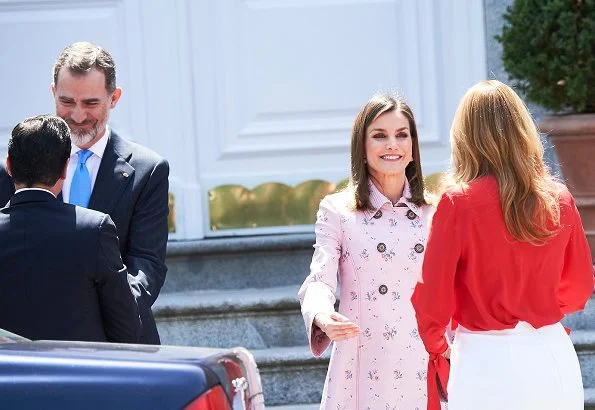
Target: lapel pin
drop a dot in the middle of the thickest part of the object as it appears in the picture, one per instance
(125, 174)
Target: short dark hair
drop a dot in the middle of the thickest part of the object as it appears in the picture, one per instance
(38, 149)
(80, 58)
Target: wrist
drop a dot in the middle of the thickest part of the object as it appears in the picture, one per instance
(317, 320)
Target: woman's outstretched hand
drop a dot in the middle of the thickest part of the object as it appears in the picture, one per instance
(336, 326)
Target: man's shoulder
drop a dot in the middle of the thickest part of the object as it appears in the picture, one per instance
(137, 152)
(85, 217)
(70, 217)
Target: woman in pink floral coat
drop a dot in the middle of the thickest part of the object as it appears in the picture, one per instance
(373, 234)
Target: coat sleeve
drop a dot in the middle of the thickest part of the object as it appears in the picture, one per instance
(147, 239)
(317, 293)
(118, 307)
(434, 297)
(576, 281)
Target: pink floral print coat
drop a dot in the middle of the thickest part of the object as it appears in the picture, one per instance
(378, 256)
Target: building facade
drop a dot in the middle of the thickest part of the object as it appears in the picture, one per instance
(252, 101)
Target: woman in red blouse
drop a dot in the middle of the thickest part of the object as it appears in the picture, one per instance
(506, 259)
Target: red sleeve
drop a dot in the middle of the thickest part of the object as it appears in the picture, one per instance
(433, 298)
(576, 282)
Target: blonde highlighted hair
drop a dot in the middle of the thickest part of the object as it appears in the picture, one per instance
(493, 133)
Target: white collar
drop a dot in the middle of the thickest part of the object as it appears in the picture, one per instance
(378, 200)
(34, 189)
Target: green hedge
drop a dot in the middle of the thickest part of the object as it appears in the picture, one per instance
(549, 52)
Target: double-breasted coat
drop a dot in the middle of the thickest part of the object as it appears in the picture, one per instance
(373, 258)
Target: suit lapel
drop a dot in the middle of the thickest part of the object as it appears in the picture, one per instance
(115, 173)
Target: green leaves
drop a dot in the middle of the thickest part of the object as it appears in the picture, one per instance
(549, 51)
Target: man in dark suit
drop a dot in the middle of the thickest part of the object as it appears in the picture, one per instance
(61, 274)
(110, 174)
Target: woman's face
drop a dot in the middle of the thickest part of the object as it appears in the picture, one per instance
(389, 147)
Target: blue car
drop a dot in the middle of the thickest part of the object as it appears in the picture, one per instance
(82, 375)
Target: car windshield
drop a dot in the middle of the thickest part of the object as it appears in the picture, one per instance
(8, 337)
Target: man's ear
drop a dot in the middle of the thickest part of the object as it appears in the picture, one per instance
(63, 174)
(115, 97)
(53, 87)
(8, 168)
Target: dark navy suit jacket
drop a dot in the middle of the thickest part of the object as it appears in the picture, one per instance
(132, 187)
(61, 275)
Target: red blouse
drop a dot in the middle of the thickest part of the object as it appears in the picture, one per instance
(476, 273)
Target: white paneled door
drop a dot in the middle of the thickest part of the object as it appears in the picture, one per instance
(247, 92)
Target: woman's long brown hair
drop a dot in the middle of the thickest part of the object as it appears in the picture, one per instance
(493, 133)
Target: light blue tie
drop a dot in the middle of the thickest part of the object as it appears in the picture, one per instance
(80, 187)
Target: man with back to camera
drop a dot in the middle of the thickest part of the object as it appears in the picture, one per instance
(110, 174)
(61, 274)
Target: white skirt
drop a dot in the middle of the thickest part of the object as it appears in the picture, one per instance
(516, 369)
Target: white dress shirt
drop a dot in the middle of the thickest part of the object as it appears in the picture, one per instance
(34, 189)
(92, 163)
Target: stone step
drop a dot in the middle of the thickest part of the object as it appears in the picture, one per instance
(235, 263)
(584, 343)
(253, 318)
(590, 398)
(259, 318)
(290, 375)
(583, 320)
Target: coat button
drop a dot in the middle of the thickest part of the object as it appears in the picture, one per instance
(419, 248)
(381, 247)
(411, 214)
(383, 289)
(378, 214)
